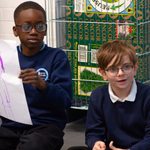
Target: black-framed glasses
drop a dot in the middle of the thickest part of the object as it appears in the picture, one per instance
(113, 71)
(39, 27)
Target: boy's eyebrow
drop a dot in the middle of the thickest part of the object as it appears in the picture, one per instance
(128, 63)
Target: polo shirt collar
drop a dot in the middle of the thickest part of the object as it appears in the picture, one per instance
(130, 97)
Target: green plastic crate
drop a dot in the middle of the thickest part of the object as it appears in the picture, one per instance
(89, 24)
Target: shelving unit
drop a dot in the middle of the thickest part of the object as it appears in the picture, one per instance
(87, 24)
(80, 27)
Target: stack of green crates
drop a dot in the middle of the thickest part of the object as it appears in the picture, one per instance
(89, 24)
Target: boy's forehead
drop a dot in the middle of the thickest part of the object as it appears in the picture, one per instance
(29, 10)
(29, 14)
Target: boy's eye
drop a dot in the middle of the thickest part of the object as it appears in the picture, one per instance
(39, 27)
(126, 67)
(26, 27)
(112, 69)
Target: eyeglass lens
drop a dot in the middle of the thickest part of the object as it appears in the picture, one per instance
(40, 27)
(125, 68)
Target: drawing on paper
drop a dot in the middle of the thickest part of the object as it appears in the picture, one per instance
(4, 94)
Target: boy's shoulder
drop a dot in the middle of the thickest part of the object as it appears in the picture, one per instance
(99, 95)
(143, 92)
(142, 86)
(101, 90)
(53, 49)
(57, 51)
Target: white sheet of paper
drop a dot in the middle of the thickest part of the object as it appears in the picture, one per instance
(13, 104)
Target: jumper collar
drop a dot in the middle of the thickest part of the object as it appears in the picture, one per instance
(42, 47)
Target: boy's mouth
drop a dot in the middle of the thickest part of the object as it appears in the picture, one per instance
(33, 40)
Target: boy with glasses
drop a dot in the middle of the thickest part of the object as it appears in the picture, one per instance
(118, 117)
(46, 77)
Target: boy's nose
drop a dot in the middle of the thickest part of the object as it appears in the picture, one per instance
(33, 30)
(120, 71)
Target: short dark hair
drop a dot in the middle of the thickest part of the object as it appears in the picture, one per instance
(28, 5)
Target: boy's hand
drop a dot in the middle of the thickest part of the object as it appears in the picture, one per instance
(99, 145)
(112, 147)
(30, 76)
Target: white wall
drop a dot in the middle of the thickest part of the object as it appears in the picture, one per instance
(56, 23)
(55, 10)
(6, 17)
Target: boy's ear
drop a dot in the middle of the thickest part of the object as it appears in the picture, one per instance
(135, 68)
(103, 74)
(15, 31)
(45, 33)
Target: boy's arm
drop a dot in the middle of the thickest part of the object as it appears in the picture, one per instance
(95, 129)
(145, 142)
(57, 91)
(59, 88)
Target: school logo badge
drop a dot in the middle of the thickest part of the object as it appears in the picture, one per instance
(43, 73)
(110, 6)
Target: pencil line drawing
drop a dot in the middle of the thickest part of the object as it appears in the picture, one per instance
(4, 93)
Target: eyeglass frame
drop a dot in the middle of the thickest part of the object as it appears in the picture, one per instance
(126, 68)
(31, 26)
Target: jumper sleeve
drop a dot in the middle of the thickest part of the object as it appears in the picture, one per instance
(95, 130)
(59, 86)
(144, 144)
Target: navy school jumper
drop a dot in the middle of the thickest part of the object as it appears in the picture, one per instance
(125, 123)
(48, 106)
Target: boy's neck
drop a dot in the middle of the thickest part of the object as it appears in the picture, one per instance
(123, 95)
(31, 51)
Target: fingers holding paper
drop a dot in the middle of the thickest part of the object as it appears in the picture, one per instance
(30, 76)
